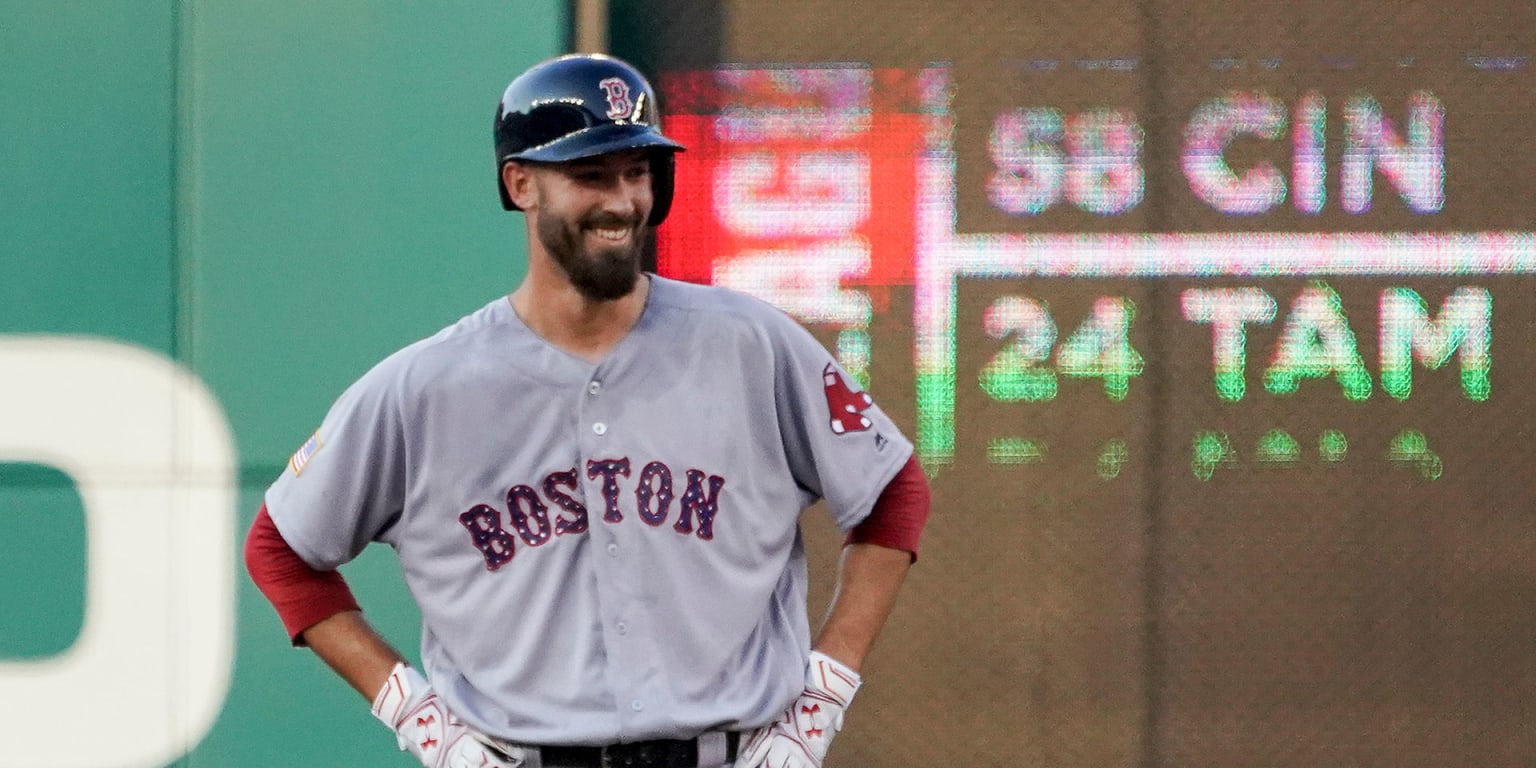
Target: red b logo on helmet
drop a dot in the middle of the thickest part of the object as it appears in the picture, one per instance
(619, 103)
(847, 406)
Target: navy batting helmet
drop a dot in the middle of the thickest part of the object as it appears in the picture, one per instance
(583, 105)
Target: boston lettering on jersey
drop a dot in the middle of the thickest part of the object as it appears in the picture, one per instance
(529, 511)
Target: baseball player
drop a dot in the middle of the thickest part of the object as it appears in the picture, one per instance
(593, 488)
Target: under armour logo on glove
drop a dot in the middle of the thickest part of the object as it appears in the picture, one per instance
(427, 732)
(800, 737)
(424, 727)
(809, 714)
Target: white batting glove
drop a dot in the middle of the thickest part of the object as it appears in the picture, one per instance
(424, 727)
(801, 736)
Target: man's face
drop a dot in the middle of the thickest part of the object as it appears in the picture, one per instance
(591, 220)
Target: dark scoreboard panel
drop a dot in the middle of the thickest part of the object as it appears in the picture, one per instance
(1212, 323)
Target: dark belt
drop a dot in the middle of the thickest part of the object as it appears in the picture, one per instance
(659, 753)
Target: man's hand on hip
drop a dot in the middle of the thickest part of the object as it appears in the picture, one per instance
(800, 737)
(424, 727)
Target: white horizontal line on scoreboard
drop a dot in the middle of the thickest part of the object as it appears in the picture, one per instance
(1247, 254)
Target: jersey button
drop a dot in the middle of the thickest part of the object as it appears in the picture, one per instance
(595, 387)
(637, 705)
(622, 628)
(600, 429)
(613, 549)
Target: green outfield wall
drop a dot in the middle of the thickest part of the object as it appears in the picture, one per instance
(214, 215)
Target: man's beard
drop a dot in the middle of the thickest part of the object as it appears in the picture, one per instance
(600, 274)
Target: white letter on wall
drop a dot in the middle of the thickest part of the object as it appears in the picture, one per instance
(151, 455)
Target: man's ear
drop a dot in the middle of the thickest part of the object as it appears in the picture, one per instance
(518, 181)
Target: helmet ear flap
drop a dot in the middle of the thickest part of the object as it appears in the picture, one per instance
(663, 178)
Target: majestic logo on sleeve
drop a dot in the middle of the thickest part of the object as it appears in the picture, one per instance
(847, 406)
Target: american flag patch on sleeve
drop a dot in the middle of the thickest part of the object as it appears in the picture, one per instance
(301, 456)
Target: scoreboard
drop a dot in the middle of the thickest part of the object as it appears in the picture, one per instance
(1212, 326)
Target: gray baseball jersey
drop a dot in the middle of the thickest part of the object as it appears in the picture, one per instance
(607, 552)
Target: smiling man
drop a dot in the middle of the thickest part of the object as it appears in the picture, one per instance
(593, 487)
(590, 213)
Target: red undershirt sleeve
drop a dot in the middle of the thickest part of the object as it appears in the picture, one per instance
(302, 595)
(900, 513)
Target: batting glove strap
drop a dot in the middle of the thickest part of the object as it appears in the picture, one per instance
(401, 692)
(407, 705)
(831, 679)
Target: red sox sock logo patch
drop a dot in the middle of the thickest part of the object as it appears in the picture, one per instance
(846, 405)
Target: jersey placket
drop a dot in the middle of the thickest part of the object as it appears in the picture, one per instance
(627, 637)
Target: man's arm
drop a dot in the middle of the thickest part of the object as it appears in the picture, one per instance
(351, 647)
(869, 576)
(875, 560)
(318, 609)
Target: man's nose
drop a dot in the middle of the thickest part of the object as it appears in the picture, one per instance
(628, 197)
